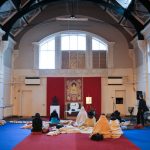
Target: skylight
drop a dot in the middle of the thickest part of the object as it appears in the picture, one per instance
(124, 3)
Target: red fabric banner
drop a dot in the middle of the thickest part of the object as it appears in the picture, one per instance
(55, 87)
(92, 88)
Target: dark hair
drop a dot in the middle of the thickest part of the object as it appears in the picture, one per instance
(90, 114)
(97, 137)
(117, 113)
(113, 117)
(37, 115)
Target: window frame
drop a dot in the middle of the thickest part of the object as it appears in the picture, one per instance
(46, 42)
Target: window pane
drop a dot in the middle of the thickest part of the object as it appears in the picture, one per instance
(43, 46)
(47, 54)
(73, 42)
(51, 45)
(81, 42)
(95, 45)
(81, 60)
(98, 45)
(65, 60)
(124, 3)
(96, 58)
(73, 60)
(102, 59)
(47, 60)
(103, 47)
(64, 42)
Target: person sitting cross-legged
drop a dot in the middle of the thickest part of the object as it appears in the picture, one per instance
(115, 127)
(102, 127)
(81, 117)
(37, 123)
(91, 120)
(54, 118)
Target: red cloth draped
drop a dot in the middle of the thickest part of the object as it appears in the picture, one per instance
(55, 87)
(91, 87)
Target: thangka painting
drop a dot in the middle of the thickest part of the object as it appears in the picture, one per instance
(73, 89)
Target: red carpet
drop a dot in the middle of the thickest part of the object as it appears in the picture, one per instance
(73, 142)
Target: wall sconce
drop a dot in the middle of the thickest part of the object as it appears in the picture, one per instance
(88, 100)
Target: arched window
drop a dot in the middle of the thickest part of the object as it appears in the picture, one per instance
(73, 46)
(99, 51)
(72, 51)
(47, 54)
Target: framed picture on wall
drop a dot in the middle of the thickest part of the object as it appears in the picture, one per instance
(72, 109)
(73, 89)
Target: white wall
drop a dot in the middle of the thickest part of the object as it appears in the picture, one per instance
(38, 101)
(109, 93)
(39, 92)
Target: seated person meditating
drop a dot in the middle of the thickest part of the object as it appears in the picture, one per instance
(102, 127)
(91, 120)
(116, 114)
(37, 123)
(115, 127)
(54, 118)
(81, 117)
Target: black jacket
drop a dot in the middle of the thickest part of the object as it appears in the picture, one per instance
(142, 106)
(37, 124)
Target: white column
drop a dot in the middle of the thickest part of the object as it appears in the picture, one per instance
(88, 57)
(3, 47)
(146, 43)
(110, 59)
(132, 56)
(148, 84)
(36, 55)
(143, 46)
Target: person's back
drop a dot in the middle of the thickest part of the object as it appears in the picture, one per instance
(37, 123)
(117, 115)
(54, 118)
(91, 120)
(142, 105)
(102, 127)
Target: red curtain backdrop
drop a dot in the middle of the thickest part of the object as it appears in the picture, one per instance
(92, 88)
(55, 87)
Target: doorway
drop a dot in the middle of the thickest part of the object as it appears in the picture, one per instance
(120, 100)
(26, 103)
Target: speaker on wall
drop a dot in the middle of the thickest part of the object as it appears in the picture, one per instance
(138, 93)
